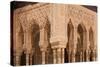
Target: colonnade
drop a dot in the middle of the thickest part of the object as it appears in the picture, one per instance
(33, 40)
(74, 55)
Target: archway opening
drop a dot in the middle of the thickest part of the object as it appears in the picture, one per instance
(81, 43)
(36, 58)
(68, 49)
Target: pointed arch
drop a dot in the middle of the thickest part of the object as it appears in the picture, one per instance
(35, 44)
(81, 42)
(70, 34)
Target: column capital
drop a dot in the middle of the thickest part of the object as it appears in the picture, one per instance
(58, 44)
(43, 49)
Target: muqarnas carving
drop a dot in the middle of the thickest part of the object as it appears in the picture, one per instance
(50, 33)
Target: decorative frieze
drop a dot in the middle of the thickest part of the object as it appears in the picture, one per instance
(74, 11)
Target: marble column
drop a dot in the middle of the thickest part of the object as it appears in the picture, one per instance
(43, 43)
(54, 56)
(87, 55)
(28, 45)
(81, 56)
(43, 57)
(58, 55)
(62, 60)
(75, 44)
(27, 59)
(93, 55)
(73, 56)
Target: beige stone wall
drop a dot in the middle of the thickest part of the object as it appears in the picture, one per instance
(31, 20)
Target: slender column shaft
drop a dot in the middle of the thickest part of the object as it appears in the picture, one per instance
(28, 45)
(73, 56)
(87, 55)
(59, 55)
(75, 43)
(43, 57)
(27, 59)
(43, 43)
(54, 56)
(93, 55)
(80, 56)
(62, 61)
(88, 45)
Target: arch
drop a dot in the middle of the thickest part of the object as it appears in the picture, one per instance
(81, 43)
(36, 53)
(70, 34)
(91, 40)
(82, 35)
(35, 44)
